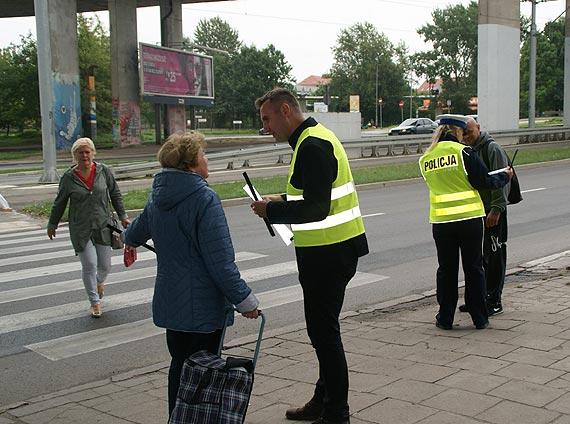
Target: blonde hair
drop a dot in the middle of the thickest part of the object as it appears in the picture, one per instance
(180, 151)
(79, 143)
(442, 131)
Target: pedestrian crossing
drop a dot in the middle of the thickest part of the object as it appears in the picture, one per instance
(41, 288)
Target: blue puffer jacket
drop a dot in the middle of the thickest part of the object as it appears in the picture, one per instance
(197, 278)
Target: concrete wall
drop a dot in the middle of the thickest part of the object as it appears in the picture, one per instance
(498, 57)
(346, 126)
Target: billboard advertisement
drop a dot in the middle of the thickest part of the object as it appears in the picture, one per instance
(175, 73)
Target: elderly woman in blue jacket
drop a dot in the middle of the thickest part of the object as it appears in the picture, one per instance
(197, 279)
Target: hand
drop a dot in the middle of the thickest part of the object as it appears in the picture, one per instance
(509, 172)
(125, 222)
(273, 198)
(492, 220)
(51, 233)
(260, 207)
(251, 314)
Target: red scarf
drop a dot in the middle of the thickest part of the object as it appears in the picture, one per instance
(87, 181)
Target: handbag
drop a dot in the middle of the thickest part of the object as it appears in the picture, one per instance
(116, 240)
(515, 195)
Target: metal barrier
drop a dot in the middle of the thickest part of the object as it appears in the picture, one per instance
(376, 146)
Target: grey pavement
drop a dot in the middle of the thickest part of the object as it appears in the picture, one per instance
(402, 368)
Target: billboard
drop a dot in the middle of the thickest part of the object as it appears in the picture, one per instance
(166, 72)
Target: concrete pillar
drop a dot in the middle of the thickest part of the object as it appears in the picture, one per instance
(567, 68)
(124, 72)
(171, 36)
(58, 73)
(498, 64)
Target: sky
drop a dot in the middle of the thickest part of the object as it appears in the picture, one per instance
(304, 30)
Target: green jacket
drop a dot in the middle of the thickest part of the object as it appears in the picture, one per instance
(89, 211)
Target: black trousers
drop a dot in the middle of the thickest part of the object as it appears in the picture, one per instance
(324, 274)
(450, 239)
(495, 259)
(181, 345)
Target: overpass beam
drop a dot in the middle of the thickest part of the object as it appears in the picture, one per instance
(171, 36)
(124, 72)
(58, 73)
(498, 64)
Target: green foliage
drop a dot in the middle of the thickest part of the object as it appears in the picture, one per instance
(19, 87)
(453, 35)
(360, 54)
(242, 76)
(95, 59)
(549, 69)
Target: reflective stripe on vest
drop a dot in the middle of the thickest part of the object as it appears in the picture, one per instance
(452, 197)
(344, 220)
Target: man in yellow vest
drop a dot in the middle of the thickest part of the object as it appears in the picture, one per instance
(454, 173)
(322, 207)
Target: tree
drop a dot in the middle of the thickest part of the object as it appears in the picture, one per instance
(242, 75)
(360, 54)
(19, 87)
(549, 69)
(95, 59)
(453, 35)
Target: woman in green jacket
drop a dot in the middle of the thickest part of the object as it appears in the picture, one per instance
(89, 187)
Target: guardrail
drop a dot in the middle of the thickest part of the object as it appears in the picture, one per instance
(376, 146)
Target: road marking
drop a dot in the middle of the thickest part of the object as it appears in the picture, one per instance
(533, 189)
(35, 247)
(63, 229)
(25, 293)
(373, 214)
(103, 338)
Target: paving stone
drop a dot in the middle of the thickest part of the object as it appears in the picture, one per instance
(268, 414)
(258, 402)
(443, 417)
(427, 372)
(289, 348)
(395, 411)
(533, 341)
(268, 384)
(527, 393)
(359, 401)
(562, 404)
(533, 356)
(368, 383)
(294, 395)
(35, 407)
(538, 328)
(564, 419)
(504, 322)
(563, 364)
(409, 390)
(435, 357)
(149, 413)
(384, 366)
(511, 412)
(6, 421)
(531, 373)
(301, 371)
(359, 345)
(479, 363)
(461, 402)
(407, 338)
(489, 349)
(122, 407)
(473, 381)
(395, 351)
(492, 334)
(275, 364)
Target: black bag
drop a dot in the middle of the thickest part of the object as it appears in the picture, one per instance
(116, 240)
(515, 195)
(214, 390)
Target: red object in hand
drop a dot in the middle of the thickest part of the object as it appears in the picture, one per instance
(129, 255)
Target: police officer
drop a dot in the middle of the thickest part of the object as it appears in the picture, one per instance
(454, 173)
(322, 206)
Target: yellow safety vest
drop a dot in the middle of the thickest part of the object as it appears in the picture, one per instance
(451, 197)
(344, 220)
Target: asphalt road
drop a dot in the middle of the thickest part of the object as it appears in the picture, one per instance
(401, 262)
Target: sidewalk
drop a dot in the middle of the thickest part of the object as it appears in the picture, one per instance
(402, 368)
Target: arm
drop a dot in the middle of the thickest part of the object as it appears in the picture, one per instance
(138, 232)
(315, 170)
(477, 172)
(217, 251)
(497, 200)
(116, 197)
(58, 208)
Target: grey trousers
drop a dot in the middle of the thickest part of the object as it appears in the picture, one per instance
(95, 266)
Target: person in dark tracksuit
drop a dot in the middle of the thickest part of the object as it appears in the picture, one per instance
(495, 202)
(322, 207)
(454, 173)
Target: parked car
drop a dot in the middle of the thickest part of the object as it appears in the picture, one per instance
(414, 126)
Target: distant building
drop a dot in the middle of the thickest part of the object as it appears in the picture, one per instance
(310, 84)
(431, 88)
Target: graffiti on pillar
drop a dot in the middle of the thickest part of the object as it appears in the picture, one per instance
(66, 113)
(126, 123)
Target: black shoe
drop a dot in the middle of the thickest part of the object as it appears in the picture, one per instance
(463, 308)
(325, 421)
(443, 326)
(495, 309)
(311, 411)
(482, 326)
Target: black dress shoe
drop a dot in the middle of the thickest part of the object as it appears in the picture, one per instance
(463, 308)
(443, 326)
(482, 326)
(311, 411)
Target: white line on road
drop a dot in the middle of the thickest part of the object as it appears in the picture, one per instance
(533, 189)
(90, 341)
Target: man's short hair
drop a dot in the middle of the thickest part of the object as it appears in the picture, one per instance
(277, 96)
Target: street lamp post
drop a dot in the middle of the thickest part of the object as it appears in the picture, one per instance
(377, 100)
(532, 68)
